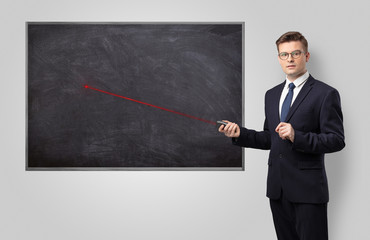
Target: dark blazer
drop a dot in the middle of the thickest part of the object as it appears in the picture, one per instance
(298, 168)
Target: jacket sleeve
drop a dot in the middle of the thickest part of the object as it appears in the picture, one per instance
(331, 135)
(254, 139)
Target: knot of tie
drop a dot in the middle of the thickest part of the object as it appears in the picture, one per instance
(291, 86)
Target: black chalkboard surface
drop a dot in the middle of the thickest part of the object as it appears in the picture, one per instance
(133, 96)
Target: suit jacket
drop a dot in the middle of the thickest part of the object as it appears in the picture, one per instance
(298, 168)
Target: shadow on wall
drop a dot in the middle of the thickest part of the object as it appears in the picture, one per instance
(336, 163)
(314, 65)
(338, 176)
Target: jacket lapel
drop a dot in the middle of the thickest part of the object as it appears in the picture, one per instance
(301, 96)
(276, 101)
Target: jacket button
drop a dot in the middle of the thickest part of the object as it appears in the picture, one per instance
(280, 155)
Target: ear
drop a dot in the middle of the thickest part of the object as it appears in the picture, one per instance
(307, 56)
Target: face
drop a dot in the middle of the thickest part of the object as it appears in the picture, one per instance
(293, 68)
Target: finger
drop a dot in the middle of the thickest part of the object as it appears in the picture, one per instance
(227, 132)
(279, 126)
(221, 128)
(237, 133)
(238, 128)
(282, 132)
(233, 129)
(284, 128)
(285, 133)
(287, 128)
(281, 135)
(228, 126)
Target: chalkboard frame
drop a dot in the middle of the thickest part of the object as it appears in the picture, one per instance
(32, 168)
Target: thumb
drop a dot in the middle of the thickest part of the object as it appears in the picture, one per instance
(278, 127)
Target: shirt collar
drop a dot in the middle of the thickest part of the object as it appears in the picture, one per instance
(299, 81)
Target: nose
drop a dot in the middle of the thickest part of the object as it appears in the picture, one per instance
(290, 58)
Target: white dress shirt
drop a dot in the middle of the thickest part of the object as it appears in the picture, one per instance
(299, 82)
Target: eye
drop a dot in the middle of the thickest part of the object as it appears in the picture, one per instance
(283, 54)
(296, 53)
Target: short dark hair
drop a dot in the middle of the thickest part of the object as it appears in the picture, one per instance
(292, 36)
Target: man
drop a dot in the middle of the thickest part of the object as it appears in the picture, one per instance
(303, 121)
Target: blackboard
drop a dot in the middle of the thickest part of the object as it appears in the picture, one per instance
(190, 68)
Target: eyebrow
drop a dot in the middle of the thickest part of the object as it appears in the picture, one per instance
(293, 51)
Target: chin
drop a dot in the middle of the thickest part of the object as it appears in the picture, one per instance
(295, 75)
(291, 74)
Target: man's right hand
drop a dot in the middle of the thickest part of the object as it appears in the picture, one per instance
(230, 130)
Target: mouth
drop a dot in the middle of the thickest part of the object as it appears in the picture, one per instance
(291, 66)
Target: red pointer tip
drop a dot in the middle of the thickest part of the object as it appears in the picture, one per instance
(86, 86)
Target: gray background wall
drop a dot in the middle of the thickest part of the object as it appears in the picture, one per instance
(189, 205)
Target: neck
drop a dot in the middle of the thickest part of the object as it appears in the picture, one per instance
(292, 78)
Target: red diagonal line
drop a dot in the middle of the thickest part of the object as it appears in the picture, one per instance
(151, 105)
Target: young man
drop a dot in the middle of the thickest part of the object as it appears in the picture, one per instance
(303, 121)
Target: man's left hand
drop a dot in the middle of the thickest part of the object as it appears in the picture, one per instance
(285, 131)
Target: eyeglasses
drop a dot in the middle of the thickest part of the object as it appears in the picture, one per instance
(295, 54)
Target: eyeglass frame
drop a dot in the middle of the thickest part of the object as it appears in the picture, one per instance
(291, 54)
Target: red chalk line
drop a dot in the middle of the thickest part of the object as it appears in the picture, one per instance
(151, 105)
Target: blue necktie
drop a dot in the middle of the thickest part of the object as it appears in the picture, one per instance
(287, 102)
